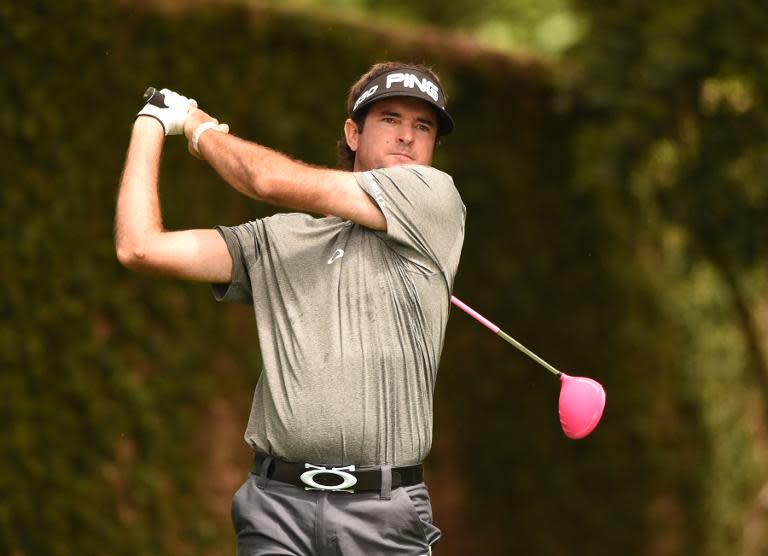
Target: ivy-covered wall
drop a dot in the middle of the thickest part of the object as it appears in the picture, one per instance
(124, 397)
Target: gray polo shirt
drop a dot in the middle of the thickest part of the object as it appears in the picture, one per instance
(350, 321)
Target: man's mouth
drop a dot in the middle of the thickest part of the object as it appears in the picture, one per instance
(404, 155)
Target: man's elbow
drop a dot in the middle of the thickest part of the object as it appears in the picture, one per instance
(129, 258)
(132, 257)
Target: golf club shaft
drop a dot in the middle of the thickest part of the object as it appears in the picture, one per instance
(499, 332)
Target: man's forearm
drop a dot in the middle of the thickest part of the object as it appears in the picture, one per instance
(267, 175)
(138, 214)
(248, 167)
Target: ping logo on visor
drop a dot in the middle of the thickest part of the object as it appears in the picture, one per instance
(410, 83)
(411, 80)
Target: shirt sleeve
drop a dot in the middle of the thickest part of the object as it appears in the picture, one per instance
(424, 212)
(242, 242)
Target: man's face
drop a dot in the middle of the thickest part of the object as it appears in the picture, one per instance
(398, 130)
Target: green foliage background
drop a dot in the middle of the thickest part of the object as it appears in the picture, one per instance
(616, 224)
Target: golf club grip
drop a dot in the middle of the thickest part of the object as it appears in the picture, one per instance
(154, 97)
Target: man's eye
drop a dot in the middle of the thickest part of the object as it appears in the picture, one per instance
(389, 119)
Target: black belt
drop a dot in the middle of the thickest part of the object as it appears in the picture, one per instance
(343, 478)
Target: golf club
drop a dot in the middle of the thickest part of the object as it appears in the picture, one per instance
(153, 96)
(582, 399)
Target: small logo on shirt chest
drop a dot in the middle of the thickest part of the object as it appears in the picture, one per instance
(339, 253)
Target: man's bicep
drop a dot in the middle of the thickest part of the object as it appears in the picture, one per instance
(333, 192)
(355, 204)
(199, 255)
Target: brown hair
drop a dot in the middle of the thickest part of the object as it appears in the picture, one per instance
(346, 155)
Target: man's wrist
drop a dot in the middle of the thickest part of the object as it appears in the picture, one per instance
(195, 118)
(148, 122)
(199, 130)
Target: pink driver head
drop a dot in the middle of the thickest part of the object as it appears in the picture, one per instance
(582, 401)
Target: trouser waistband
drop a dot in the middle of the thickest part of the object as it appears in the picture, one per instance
(348, 478)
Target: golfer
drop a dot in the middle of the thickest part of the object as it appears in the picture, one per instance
(351, 297)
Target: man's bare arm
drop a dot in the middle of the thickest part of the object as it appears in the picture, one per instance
(141, 241)
(266, 175)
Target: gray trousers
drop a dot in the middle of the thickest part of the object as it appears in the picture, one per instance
(275, 518)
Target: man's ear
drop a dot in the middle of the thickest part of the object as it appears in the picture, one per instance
(351, 133)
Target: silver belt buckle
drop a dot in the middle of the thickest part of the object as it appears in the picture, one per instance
(347, 480)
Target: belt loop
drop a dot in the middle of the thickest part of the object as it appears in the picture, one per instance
(264, 472)
(386, 482)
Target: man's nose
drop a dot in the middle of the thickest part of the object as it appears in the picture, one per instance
(405, 135)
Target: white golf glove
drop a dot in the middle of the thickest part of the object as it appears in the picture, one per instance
(174, 112)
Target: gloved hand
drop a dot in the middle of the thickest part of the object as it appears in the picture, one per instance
(170, 109)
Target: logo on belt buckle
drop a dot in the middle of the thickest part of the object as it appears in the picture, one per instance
(347, 479)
